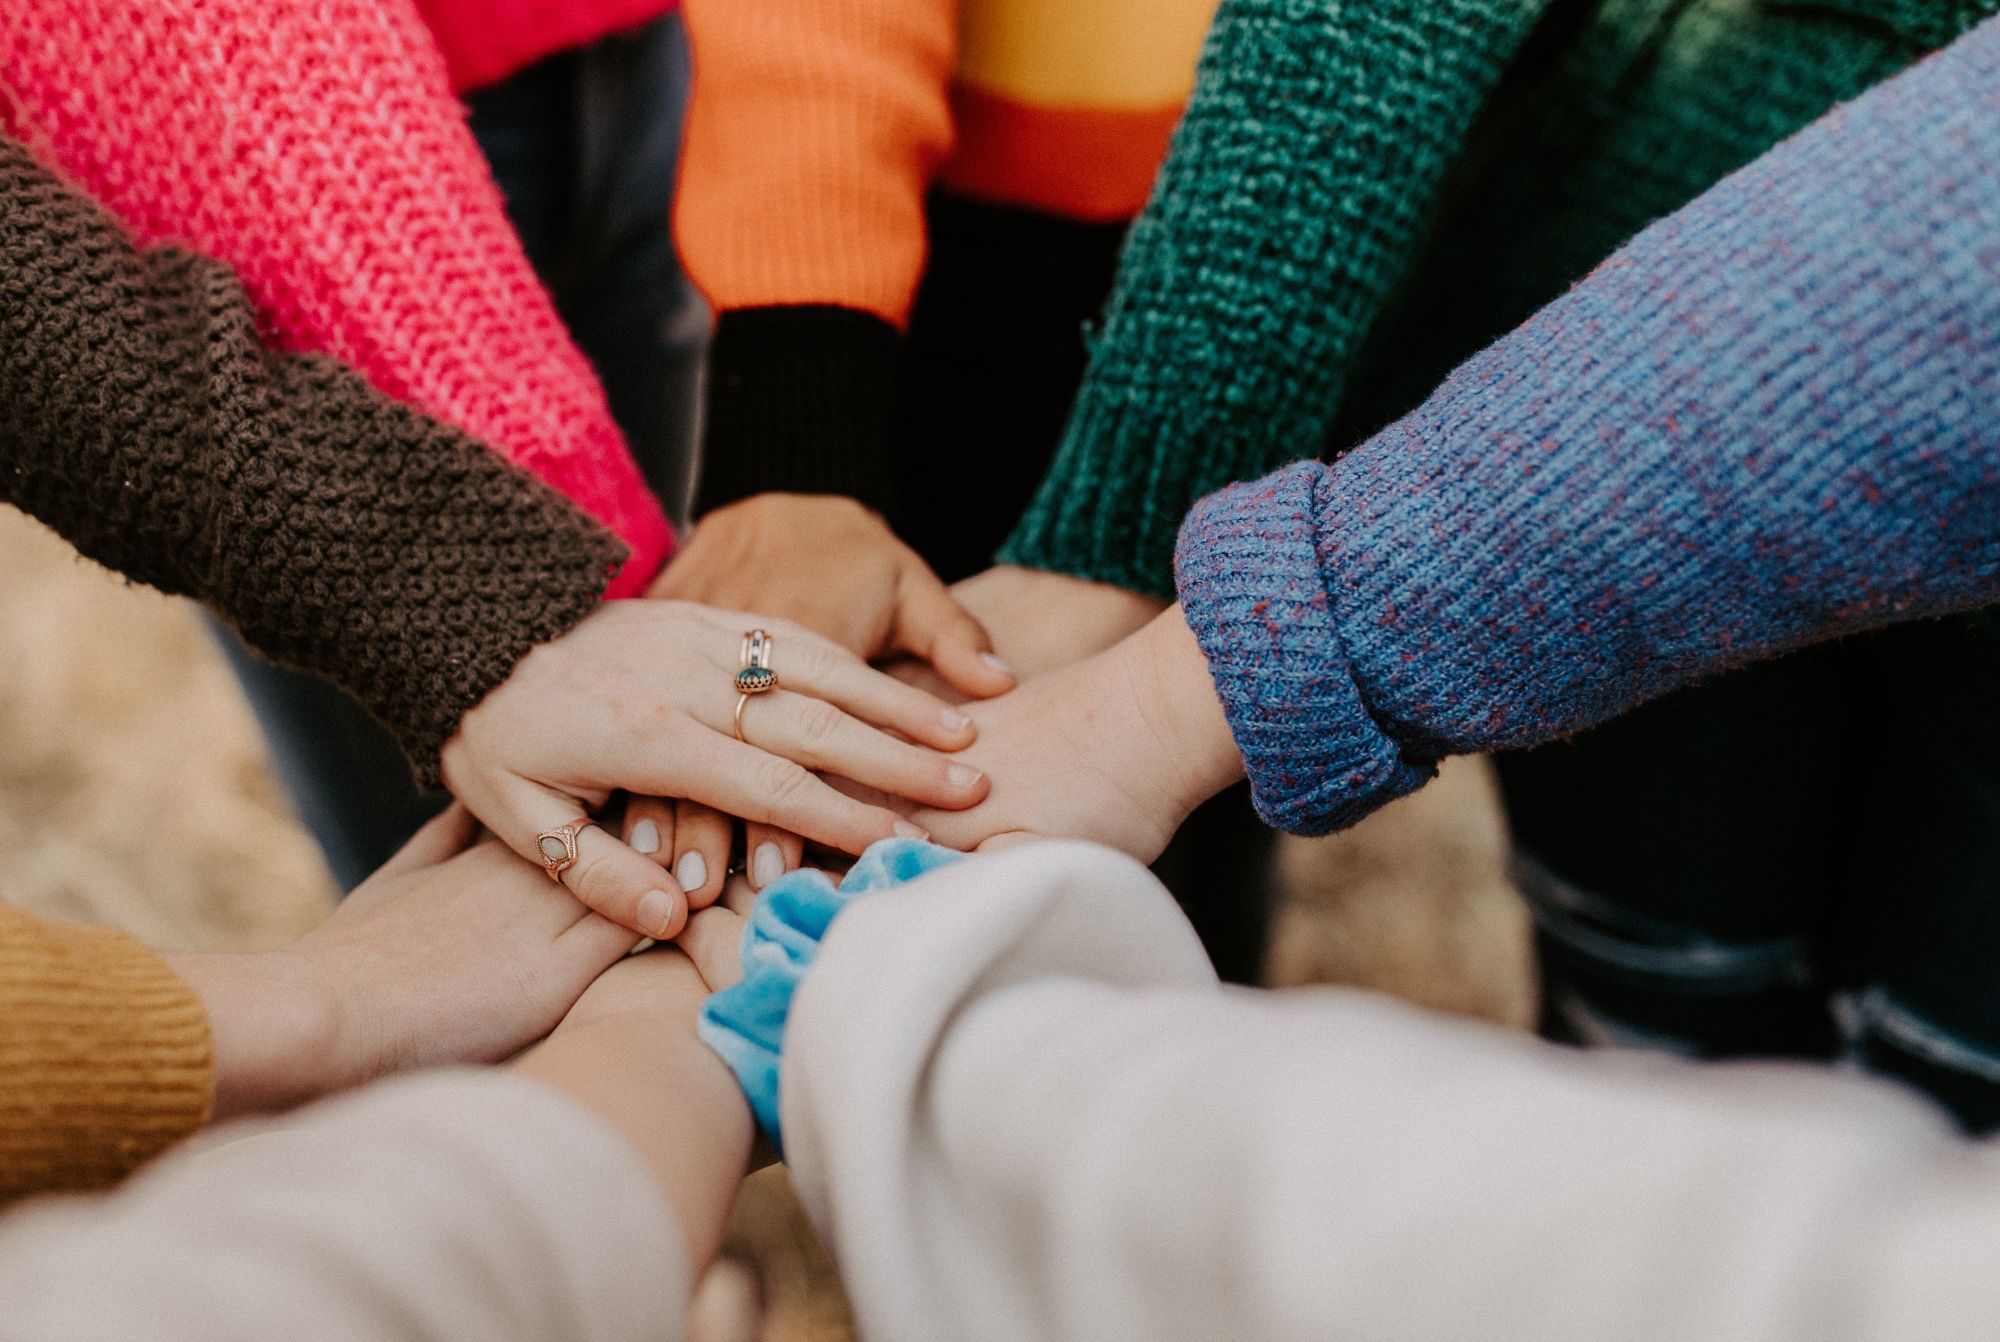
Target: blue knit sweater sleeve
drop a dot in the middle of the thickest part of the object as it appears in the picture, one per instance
(1773, 418)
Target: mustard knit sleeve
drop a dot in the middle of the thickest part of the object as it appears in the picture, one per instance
(105, 1057)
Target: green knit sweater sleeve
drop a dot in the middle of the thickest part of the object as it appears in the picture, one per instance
(1296, 189)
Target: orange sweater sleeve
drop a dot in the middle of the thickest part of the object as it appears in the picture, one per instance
(814, 129)
(105, 1056)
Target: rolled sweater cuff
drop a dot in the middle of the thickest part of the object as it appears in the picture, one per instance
(801, 400)
(1253, 591)
(105, 1056)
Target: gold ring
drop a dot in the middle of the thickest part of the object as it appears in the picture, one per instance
(558, 847)
(741, 700)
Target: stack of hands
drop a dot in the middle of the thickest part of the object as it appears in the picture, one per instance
(1015, 703)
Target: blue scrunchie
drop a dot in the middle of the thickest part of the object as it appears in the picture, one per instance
(745, 1024)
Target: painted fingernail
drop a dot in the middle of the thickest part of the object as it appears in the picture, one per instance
(996, 664)
(767, 865)
(656, 912)
(692, 872)
(645, 837)
(904, 829)
(954, 721)
(962, 775)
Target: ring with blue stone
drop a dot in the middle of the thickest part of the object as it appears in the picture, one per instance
(756, 677)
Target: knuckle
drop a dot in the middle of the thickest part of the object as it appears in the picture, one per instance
(819, 724)
(808, 659)
(598, 883)
(782, 782)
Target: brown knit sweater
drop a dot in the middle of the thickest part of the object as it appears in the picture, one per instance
(105, 1057)
(340, 532)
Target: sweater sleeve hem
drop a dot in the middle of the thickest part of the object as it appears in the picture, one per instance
(1252, 590)
(105, 1052)
(801, 400)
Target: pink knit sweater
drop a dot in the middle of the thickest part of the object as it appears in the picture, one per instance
(316, 146)
(486, 40)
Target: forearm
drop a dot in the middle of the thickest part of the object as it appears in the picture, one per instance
(272, 1030)
(1752, 429)
(1298, 184)
(671, 1100)
(339, 531)
(814, 130)
(450, 1206)
(1024, 1112)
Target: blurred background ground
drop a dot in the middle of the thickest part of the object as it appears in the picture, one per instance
(134, 792)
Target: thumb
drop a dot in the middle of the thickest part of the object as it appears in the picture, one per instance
(931, 625)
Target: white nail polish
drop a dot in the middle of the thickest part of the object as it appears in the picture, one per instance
(692, 872)
(645, 837)
(767, 866)
(962, 775)
(996, 663)
(656, 909)
(905, 829)
(954, 721)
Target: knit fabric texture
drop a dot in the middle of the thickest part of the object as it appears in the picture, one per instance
(814, 133)
(1299, 177)
(801, 400)
(105, 1056)
(337, 530)
(1438, 170)
(315, 147)
(484, 41)
(1764, 423)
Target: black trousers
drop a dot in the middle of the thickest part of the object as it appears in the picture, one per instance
(1798, 859)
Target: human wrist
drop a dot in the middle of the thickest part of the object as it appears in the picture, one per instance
(1169, 690)
(275, 1029)
(642, 1073)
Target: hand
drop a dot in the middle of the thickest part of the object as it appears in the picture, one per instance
(1118, 748)
(445, 955)
(640, 696)
(1040, 621)
(834, 567)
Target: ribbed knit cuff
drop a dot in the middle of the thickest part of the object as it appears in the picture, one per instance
(1089, 520)
(105, 1056)
(801, 400)
(1252, 591)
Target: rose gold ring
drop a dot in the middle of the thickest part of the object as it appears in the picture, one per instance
(558, 847)
(756, 675)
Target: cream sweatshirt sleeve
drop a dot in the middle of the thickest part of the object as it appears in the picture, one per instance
(454, 1207)
(1020, 1107)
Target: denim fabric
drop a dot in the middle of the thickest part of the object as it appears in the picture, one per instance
(1801, 859)
(585, 147)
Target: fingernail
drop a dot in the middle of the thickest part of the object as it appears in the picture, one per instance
(962, 775)
(996, 663)
(767, 865)
(656, 912)
(954, 721)
(645, 837)
(692, 872)
(904, 829)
